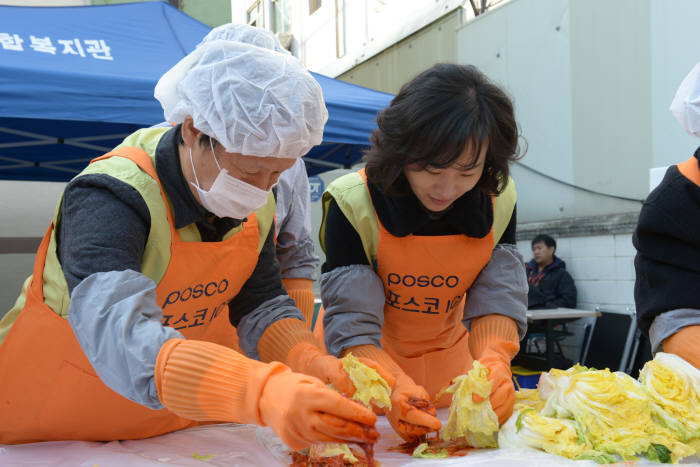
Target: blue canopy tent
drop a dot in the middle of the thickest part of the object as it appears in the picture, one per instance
(75, 80)
(352, 113)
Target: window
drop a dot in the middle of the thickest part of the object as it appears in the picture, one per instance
(255, 17)
(339, 28)
(314, 5)
(281, 15)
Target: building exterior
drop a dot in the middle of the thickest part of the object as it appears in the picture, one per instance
(210, 12)
(591, 82)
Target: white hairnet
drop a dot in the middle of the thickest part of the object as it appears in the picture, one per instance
(686, 104)
(246, 34)
(254, 101)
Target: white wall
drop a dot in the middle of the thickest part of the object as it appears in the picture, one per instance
(675, 49)
(591, 82)
(26, 209)
(238, 11)
(317, 39)
(518, 46)
(611, 105)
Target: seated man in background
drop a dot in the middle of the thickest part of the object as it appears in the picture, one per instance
(550, 285)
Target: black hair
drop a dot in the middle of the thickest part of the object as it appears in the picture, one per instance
(202, 139)
(546, 239)
(433, 118)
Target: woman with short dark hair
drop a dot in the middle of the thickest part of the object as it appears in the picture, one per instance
(432, 119)
(428, 222)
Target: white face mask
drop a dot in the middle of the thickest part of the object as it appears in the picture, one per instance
(229, 196)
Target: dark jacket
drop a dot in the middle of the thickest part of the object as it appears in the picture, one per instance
(553, 287)
(667, 239)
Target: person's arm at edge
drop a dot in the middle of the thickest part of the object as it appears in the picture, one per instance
(353, 322)
(295, 249)
(113, 310)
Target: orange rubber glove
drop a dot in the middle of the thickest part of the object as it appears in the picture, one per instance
(309, 359)
(288, 340)
(208, 382)
(412, 414)
(493, 341)
(686, 344)
(301, 291)
(303, 411)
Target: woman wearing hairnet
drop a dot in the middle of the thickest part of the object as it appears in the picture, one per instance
(156, 251)
(294, 246)
(429, 220)
(667, 239)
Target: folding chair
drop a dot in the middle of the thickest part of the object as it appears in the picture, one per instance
(611, 341)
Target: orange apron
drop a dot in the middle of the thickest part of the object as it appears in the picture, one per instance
(690, 170)
(425, 281)
(49, 390)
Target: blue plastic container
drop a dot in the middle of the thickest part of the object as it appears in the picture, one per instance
(524, 378)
